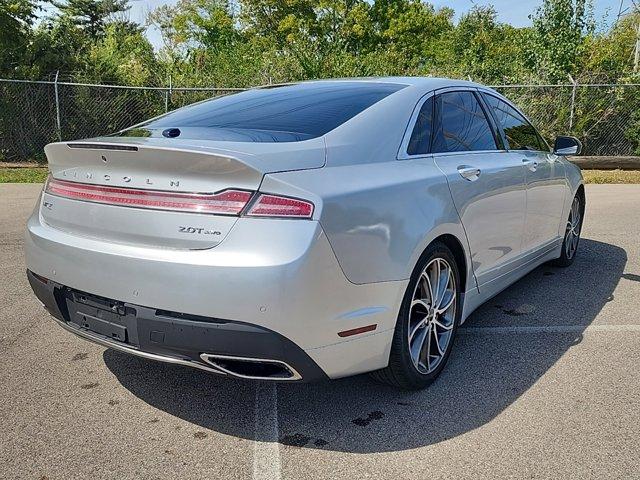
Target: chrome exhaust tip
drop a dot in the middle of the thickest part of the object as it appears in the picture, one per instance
(252, 368)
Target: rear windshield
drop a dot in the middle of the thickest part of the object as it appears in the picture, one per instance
(282, 114)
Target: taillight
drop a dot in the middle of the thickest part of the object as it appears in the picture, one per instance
(277, 206)
(227, 202)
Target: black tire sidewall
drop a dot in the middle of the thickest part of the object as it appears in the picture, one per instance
(565, 261)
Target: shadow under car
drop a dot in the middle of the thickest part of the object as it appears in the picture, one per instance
(486, 373)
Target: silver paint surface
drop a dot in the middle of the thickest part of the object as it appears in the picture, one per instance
(376, 210)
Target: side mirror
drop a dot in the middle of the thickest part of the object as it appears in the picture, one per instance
(567, 146)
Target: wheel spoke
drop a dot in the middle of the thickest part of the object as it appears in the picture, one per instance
(425, 351)
(437, 342)
(443, 281)
(441, 325)
(417, 327)
(416, 346)
(429, 289)
(450, 298)
(421, 302)
(434, 281)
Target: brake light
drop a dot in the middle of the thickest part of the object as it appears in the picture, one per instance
(227, 202)
(276, 206)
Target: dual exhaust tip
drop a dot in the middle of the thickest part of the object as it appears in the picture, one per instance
(252, 368)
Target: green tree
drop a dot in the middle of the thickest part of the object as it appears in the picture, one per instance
(16, 19)
(123, 55)
(415, 30)
(482, 48)
(611, 53)
(91, 15)
(557, 40)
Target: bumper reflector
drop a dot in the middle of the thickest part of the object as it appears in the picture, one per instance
(356, 331)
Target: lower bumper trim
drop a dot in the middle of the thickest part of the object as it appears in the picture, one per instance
(225, 347)
(105, 342)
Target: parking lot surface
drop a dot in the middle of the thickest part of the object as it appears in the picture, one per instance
(543, 382)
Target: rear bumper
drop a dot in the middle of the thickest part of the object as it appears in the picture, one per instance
(273, 279)
(165, 337)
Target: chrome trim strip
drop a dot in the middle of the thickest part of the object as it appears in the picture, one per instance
(123, 348)
(207, 357)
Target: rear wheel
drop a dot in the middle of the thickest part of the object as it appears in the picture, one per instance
(572, 233)
(427, 322)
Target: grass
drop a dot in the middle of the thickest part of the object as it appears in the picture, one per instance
(39, 174)
(611, 176)
(23, 175)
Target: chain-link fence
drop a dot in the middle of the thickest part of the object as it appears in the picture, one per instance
(33, 114)
(606, 117)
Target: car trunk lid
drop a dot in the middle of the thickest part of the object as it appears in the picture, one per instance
(164, 167)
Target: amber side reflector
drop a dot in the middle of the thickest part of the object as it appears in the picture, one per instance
(356, 331)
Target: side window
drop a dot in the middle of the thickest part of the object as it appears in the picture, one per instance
(420, 141)
(462, 124)
(520, 134)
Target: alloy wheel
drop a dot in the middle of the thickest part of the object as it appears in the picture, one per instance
(572, 235)
(432, 315)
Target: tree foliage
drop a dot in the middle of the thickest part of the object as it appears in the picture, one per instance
(90, 15)
(241, 43)
(560, 28)
(245, 42)
(16, 20)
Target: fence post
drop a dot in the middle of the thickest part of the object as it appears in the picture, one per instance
(573, 102)
(166, 97)
(636, 53)
(55, 88)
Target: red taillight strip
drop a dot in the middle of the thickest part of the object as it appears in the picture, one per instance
(277, 206)
(229, 202)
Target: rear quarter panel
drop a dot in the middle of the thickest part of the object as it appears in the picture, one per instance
(379, 213)
(378, 217)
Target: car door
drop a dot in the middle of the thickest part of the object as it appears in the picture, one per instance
(486, 182)
(544, 175)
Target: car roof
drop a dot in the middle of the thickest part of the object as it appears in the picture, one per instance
(426, 83)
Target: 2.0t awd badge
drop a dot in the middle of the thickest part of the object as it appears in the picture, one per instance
(200, 230)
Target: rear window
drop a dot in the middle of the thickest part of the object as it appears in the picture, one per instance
(282, 114)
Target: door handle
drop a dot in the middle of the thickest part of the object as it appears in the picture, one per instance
(530, 164)
(469, 173)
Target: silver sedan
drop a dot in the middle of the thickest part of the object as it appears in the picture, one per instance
(303, 232)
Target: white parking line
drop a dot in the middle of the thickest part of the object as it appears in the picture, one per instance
(266, 450)
(549, 329)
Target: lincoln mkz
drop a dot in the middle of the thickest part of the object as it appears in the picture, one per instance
(303, 232)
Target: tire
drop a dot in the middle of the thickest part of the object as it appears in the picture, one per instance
(572, 233)
(413, 368)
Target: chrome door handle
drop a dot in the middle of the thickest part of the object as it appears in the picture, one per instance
(530, 164)
(469, 173)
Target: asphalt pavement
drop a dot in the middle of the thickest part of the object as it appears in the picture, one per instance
(543, 382)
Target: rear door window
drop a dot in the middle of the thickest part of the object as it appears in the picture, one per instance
(519, 132)
(461, 124)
